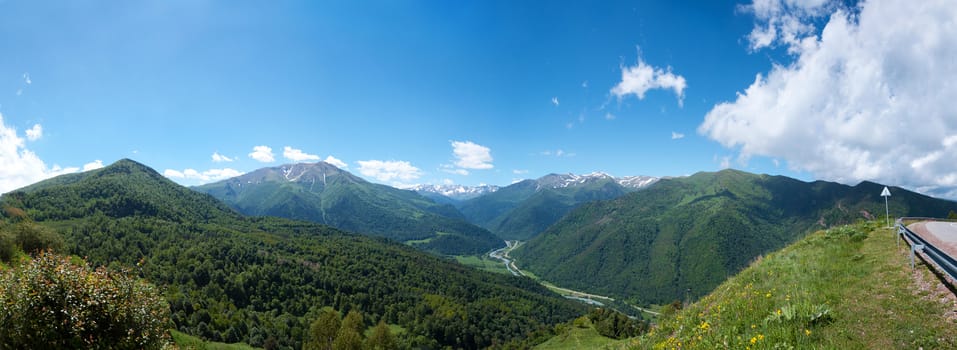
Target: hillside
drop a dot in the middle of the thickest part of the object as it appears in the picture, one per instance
(652, 246)
(847, 288)
(320, 192)
(232, 278)
(525, 209)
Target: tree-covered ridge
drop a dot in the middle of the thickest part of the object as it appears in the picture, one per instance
(524, 209)
(322, 193)
(237, 279)
(652, 246)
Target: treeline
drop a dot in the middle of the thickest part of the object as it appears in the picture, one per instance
(256, 280)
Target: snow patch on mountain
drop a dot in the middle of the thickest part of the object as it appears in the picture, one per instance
(457, 192)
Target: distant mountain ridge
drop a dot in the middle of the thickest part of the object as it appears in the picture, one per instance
(526, 208)
(232, 278)
(453, 192)
(320, 192)
(692, 233)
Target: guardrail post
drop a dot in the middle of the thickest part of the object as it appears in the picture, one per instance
(913, 251)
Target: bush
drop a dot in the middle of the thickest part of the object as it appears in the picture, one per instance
(50, 302)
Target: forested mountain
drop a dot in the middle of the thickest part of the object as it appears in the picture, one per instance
(320, 192)
(256, 280)
(653, 245)
(524, 209)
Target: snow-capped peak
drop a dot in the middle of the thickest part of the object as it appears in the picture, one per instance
(458, 192)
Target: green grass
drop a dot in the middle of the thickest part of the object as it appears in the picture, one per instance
(850, 288)
(580, 338)
(482, 262)
(186, 341)
(413, 242)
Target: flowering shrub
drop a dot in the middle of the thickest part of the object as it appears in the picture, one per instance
(52, 302)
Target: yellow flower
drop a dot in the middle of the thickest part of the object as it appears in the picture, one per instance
(754, 340)
(807, 332)
(760, 336)
(767, 295)
(753, 326)
(779, 311)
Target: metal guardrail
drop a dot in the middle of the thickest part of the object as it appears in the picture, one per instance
(946, 263)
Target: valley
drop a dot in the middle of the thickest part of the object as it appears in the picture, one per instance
(233, 278)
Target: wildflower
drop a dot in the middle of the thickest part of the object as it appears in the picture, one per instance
(754, 340)
(807, 332)
(767, 295)
(760, 336)
(704, 325)
(753, 326)
(779, 311)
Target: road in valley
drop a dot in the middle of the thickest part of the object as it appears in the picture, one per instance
(593, 299)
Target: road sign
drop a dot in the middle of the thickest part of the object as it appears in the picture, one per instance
(887, 214)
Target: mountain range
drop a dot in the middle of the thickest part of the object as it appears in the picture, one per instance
(261, 280)
(691, 233)
(526, 208)
(322, 193)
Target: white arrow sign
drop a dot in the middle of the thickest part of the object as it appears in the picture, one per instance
(886, 193)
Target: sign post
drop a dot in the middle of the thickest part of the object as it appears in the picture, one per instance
(887, 214)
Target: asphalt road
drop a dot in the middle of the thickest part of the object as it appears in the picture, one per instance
(942, 235)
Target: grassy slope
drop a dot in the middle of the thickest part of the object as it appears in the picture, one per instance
(580, 338)
(872, 298)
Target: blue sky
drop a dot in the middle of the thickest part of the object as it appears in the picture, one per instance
(407, 92)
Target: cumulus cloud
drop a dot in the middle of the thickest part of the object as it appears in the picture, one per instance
(19, 166)
(96, 164)
(786, 22)
(336, 162)
(297, 155)
(676, 135)
(638, 79)
(262, 154)
(389, 170)
(470, 155)
(34, 133)
(871, 98)
(203, 177)
(219, 158)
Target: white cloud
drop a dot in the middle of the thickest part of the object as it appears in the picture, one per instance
(203, 177)
(453, 170)
(96, 164)
(26, 78)
(19, 166)
(609, 116)
(786, 22)
(520, 171)
(34, 133)
(336, 162)
(448, 182)
(555, 101)
(675, 135)
(871, 99)
(638, 79)
(219, 158)
(389, 170)
(262, 154)
(470, 155)
(297, 155)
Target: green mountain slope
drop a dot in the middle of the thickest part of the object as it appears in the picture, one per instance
(232, 278)
(320, 192)
(524, 209)
(847, 288)
(652, 246)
